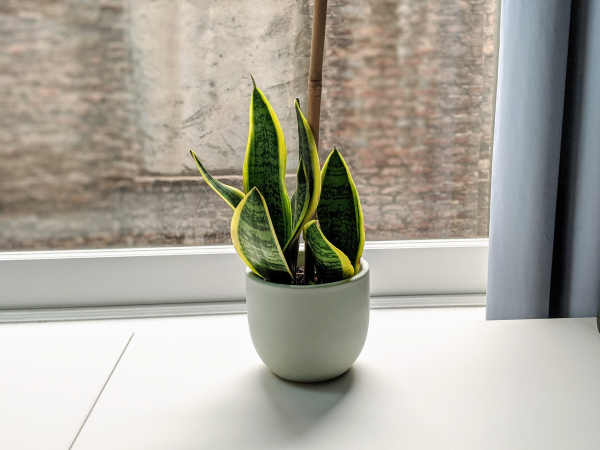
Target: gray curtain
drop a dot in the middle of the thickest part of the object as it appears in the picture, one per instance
(545, 195)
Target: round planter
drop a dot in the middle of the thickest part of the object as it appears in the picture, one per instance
(309, 333)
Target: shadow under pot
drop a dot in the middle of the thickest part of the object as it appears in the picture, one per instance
(309, 333)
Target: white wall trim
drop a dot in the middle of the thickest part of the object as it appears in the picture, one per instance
(92, 278)
(211, 308)
(426, 301)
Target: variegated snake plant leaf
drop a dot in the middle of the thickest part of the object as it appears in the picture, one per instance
(339, 211)
(299, 202)
(330, 262)
(254, 239)
(264, 165)
(230, 194)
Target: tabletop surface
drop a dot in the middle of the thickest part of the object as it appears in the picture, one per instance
(196, 383)
(48, 378)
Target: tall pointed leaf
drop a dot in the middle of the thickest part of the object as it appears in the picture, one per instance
(302, 213)
(307, 150)
(339, 211)
(264, 165)
(330, 262)
(301, 196)
(291, 256)
(230, 194)
(255, 241)
(300, 202)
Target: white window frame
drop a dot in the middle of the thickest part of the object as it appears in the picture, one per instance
(47, 285)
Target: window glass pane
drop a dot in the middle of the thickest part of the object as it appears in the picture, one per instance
(101, 101)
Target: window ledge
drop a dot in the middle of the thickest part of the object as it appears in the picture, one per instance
(125, 277)
(212, 308)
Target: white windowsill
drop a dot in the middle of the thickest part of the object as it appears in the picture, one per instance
(212, 308)
(171, 276)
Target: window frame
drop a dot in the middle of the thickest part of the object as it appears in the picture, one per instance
(214, 274)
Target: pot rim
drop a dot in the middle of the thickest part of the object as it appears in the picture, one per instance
(364, 270)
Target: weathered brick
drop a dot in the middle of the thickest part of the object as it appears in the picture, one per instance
(407, 98)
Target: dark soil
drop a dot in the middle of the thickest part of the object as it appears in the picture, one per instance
(300, 276)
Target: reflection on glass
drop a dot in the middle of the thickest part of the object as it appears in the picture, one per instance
(102, 101)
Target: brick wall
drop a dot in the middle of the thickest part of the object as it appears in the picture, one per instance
(68, 136)
(411, 106)
(407, 100)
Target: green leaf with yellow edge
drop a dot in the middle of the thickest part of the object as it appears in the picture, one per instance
(265, 161)
(254, 239)
(330, 262)
(300, 201)
(291, 255)
(230, 194)
(307, 151)
(339, 211)
(309, 178)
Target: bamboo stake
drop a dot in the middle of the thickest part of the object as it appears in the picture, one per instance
(315, 85)
(315, 73)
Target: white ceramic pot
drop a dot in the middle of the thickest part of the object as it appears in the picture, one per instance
(309, 333)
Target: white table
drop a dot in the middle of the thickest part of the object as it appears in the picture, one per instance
(49, 376)
(196, 383)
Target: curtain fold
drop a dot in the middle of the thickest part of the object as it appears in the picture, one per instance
(545, 199)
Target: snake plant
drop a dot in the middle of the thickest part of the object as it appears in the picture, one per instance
(267, 222)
